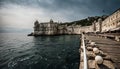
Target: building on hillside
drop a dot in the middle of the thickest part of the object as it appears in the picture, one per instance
(112, 22)
(97, 26)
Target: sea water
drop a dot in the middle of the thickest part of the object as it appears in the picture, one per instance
(19, 51)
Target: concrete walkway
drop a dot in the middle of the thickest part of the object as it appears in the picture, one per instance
(108, 46)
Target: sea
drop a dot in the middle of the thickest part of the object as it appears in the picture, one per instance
(19, 51)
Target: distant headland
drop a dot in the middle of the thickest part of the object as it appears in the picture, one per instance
(95, 24)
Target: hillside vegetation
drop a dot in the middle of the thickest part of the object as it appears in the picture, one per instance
(84, 22)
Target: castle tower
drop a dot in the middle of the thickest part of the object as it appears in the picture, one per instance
(51, 21)
(36, 25)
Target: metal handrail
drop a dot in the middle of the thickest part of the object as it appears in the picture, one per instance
(84, 52)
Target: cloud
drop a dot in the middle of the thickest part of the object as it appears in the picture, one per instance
(22, 17)
(21, 14)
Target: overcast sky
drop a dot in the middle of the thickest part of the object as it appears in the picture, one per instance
(19, 15)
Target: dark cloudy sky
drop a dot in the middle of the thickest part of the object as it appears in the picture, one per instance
(19, 15)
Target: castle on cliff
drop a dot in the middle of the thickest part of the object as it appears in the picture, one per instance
(46, 28)
(109, 24)
(54, 28)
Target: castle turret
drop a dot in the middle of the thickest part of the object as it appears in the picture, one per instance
(36, 25)
(51, 21)
(36, 22)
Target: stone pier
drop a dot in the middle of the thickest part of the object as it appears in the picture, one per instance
(98, 46)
